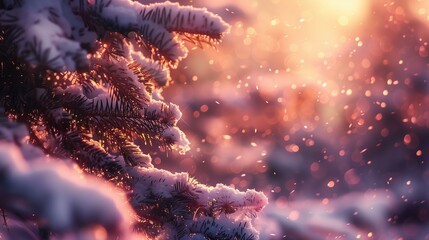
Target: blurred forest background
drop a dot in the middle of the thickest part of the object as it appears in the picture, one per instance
(321, 104)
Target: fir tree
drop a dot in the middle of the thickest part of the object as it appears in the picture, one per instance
(85, 78)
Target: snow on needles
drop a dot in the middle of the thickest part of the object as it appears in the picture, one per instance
(59, 199)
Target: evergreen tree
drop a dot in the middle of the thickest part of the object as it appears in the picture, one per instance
(85, 78)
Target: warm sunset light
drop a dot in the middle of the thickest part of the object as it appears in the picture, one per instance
(335, 94)
(246, 119)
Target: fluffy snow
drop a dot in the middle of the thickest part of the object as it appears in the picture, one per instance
(62, 199)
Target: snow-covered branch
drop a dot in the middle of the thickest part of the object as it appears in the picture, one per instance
(57, 34)
(59, 198)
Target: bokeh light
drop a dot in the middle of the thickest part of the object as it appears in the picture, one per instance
(321, 104)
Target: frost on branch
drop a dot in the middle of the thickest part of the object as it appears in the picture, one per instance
(86, 78)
